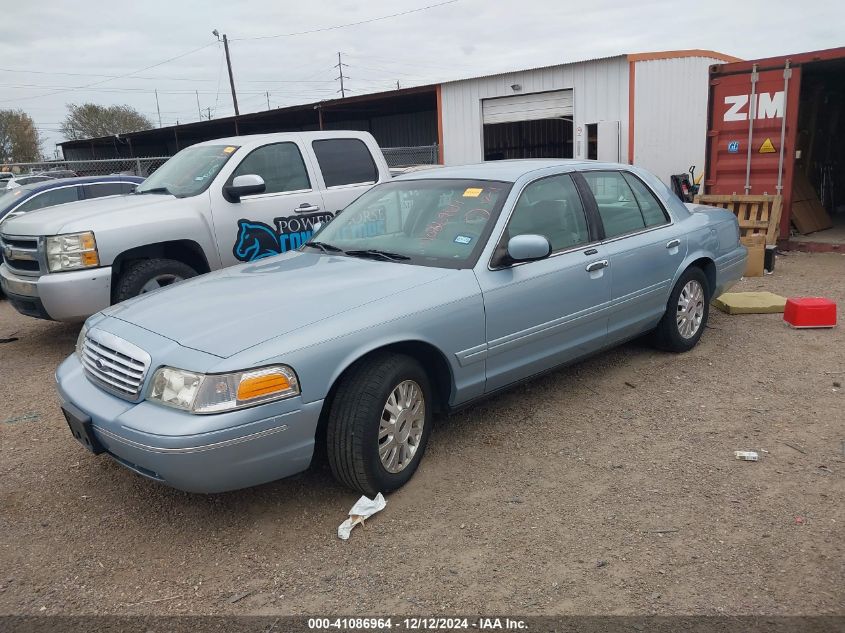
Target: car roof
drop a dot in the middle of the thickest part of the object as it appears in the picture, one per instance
(251, 140)
(54, 183)
(508, 170)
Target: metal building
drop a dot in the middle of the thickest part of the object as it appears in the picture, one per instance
(648, 108)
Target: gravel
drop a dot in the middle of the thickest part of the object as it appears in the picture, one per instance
(607, 488)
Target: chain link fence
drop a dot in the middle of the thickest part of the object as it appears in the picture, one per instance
(68, 168)
(395, 157)
(408, 156)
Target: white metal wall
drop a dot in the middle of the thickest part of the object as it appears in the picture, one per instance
(670, 114)
(600, 93)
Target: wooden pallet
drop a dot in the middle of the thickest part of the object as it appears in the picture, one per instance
(757, 215)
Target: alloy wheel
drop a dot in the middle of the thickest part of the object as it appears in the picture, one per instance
(401, 426)
(690, 311)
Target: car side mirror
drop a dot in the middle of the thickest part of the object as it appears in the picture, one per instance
(528, 248)
(245, 185)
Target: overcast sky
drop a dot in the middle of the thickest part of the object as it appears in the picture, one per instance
(53, 46)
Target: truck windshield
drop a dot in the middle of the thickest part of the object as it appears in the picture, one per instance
(431, 222)
(189, 172)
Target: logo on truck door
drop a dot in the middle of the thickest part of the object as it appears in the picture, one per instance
(257, 240)
(769, 105)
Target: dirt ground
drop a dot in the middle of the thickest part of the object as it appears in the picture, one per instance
(606, 488)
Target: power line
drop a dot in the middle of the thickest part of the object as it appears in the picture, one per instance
(157, 78)
(343, 26)
(172, 92)
(392, 59)
(97, 83)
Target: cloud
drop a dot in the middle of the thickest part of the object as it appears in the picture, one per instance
(464, 39)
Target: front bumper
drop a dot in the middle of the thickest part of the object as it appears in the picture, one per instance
(246, 448)
(68, 296)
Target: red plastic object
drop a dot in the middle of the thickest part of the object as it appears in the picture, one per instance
(810, 312)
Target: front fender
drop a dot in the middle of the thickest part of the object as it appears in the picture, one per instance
(179, 219)
(447, 317)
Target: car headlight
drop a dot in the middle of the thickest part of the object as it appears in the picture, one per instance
(80, 341)
(216, 393)
(72, 251)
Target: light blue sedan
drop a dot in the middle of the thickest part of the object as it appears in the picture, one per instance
(425, 294)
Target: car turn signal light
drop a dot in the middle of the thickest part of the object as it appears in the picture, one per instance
(264, 384)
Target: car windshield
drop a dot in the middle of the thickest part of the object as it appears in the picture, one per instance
(189, 172)
(10, 197)
(428, 222)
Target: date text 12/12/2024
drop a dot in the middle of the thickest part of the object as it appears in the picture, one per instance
(416, 623)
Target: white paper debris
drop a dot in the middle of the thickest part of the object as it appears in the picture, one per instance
(748, 456)
(363, 509)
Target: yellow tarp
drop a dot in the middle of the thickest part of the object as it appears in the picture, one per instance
(750, 303)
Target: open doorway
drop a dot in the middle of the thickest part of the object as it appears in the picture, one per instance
(540, 138)
(818, 188)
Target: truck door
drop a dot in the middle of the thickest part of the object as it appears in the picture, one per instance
(347, 169)
(275, 221)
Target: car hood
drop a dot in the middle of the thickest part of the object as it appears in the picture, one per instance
(51, 221)
(233, 309)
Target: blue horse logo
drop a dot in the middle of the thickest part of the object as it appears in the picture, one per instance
(256, 240)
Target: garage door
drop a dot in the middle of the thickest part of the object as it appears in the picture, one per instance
(530, 107)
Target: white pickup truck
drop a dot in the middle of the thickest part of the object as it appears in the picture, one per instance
(212, 205)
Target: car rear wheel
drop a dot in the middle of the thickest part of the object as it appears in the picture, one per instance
(686, 313)
(379, 423)
(149, 275)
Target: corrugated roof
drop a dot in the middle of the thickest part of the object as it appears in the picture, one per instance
(528, 70)
(628, 56)
(404, 91)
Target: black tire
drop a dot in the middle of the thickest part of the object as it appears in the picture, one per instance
(667, 335)
(132, 281)
(353, 427)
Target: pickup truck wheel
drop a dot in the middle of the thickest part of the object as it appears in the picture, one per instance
(150, 274)
(686, 313)
(379, 423)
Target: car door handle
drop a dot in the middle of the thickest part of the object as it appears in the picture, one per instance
(594, 266)
(673, 243)
(307, 208)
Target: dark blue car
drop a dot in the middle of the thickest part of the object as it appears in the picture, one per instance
(61, 190)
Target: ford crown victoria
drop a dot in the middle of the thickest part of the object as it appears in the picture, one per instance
(425, 294)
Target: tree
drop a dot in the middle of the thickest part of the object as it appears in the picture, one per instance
(19, 141)
(90, 120)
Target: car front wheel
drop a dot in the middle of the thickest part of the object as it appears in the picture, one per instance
(686, 313)
(149, 275)
(379, 423)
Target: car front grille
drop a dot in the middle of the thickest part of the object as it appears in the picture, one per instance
(20, 254)
(114, 364)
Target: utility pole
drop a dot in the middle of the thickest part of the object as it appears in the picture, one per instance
(341, 76)
(158, 109)
(231, 76)
(216, 34)
(199, 110)
(209, 113)
(268, 99)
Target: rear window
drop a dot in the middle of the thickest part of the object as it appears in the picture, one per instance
(50, 198)
(345, 161)
(102, 189)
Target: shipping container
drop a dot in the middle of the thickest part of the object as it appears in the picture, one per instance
(777, 126)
